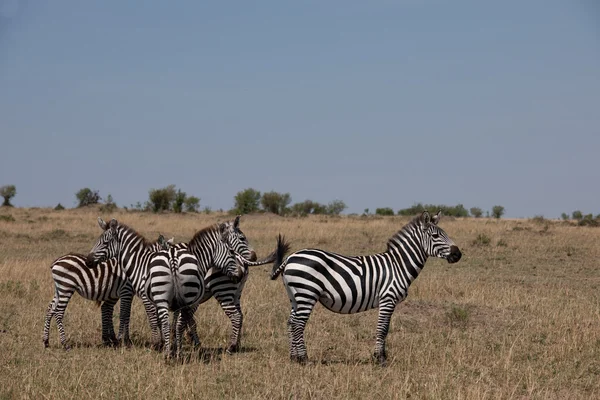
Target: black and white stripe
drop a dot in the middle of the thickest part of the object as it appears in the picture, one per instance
(105, 282)
(211, 246)
(225, 290)
(175, 283)
(349, 285)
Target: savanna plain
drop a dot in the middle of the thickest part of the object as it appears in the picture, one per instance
(517, 317)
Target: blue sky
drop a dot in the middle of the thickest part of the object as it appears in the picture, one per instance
(379, 104)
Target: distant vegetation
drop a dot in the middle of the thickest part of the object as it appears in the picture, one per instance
(8, 192)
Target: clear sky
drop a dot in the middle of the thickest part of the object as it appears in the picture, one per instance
(377, 103)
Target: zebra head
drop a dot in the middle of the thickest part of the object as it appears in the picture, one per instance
(436, 242)
(225, 256)
(162, 243)
(236, 240)
(107, 245)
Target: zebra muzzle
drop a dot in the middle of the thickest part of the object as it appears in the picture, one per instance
(454, 255)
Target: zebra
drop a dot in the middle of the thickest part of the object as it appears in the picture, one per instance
(104, 283)
(224, 290)
(348, 285)
(276, 256)
(134, 254)
(175, 282)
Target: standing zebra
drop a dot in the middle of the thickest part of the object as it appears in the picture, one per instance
(226, 291)
(105, 282)
(348, 285)
(175, 282)
(134, 253)
(276, 256)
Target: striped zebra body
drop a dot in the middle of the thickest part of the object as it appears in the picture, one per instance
(349, 285)
(175, 283)
(228, 293)
(105, 282)
(211, 246)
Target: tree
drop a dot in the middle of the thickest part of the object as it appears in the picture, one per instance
(86, 197)
(336, 207)
(161, 199)
(476, 212)
(564, 216)
(192, 204)
(109, 204)
(8, 192)
(246, 201)
(275, 202)
(577, 215)
(178, 201)
(384, 211)
(497, 211)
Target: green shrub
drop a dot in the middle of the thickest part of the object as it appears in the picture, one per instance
(59, 207)
(452, 211)
(161, 199)
(109, 205)
(87, 197)
(276, 203)
(7, 218)
(192, 204)
(335, 207)
(384, 211)
(476, 212)
(178, 201)
(8, 192)
(577, 215)
(246, 201)
(497, 211)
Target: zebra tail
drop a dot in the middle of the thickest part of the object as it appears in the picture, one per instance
(279, 265)
(98, 303)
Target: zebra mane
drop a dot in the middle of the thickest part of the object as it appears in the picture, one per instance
(199, 235)
(129, 230)
(406, 228)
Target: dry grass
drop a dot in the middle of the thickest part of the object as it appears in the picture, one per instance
(517, 317)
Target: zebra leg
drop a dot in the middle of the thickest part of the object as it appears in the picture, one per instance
(108, 330)
(59, 312)
(192, 331)
(234, 312)
(153, 319)
(386, 309)
(125, 317)
(183, 321)
(49, 315)
(163, 317)
(296, 325)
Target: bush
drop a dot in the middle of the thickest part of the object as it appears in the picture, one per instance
(384, 211)
(452, 211)
(577, 215)
(246, 201)
(179, 200)
(482, 240)
(87, 197)
(335, 207)
(161, 199)
(564, 216)
(192, 204)
(476, 212)
(59, 207)
(8, 192)
(274, 202)
(308, 207)
(497, 211)
(109, 205)
(588, 220)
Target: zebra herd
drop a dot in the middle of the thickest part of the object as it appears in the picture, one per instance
(179, 277)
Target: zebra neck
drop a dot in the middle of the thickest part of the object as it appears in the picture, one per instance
(133, 257)
(406, 251)
(203, 247)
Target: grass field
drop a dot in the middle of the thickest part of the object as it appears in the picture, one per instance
(517, 317)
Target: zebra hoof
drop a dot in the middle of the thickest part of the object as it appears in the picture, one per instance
(233, 348)
(302, 360)
(67, 347)
(380, 358)
(46, 344)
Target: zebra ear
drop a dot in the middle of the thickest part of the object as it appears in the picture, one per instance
(236, 222)
(113, 224)
(172, 240)
(425, 218)
(102, 224)
(436, 218)
(223, 231)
